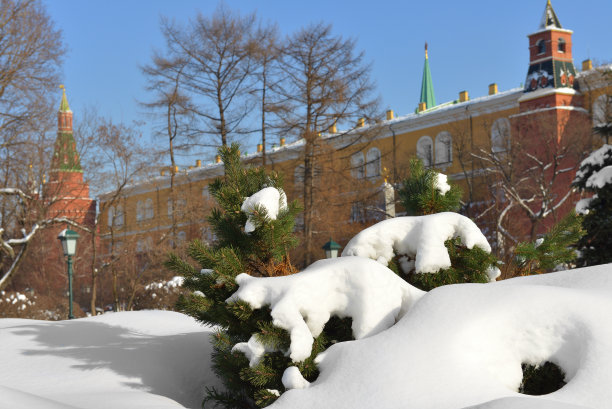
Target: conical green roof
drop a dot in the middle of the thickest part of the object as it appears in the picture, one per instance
(549, 19)
(64, 107)
(427, 91)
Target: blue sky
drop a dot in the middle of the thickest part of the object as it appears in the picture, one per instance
(471, 43)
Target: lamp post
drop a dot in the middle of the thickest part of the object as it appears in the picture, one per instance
(68, 238)
(331, 248)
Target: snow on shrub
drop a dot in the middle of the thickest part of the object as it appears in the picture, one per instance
(419, 237)
(371, 294)
(271, 199)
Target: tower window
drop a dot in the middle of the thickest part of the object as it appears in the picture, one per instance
(541, 44)
(561, 45)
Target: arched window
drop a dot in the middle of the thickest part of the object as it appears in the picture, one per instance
(373, 163)
(424, 150)
(148, 207)
(444, 148)
(140, 246)
(602, 110)
(140, 211)
(357, 165)
(119, 216)
(541, 44)
(170, 207)
(561, 45)
(111, 215)
(181, 236)
(500, 135)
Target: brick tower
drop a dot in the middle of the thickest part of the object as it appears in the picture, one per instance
(66, 194)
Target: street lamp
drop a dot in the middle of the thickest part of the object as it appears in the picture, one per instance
(331, 248)
(68, 238)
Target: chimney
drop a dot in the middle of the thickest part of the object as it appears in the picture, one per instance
(492, 89)
(360, 122)
(259, 147)
(587, 65)
(282, 141)
(463, 96)
(175, 169)
(162, 172)
(422, 106)
(389, 114)
(218, 159)
(198, 163)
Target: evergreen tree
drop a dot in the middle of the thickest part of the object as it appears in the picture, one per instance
(554, 248)
(422, 194)
(595, 176)
(262, 252)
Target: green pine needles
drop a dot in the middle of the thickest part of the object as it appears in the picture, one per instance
(420, 195)
(261, 253)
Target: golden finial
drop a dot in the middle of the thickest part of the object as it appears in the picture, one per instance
(426, 50)
(385, 173)
(62, 87)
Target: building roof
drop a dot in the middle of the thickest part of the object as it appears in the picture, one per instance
(549, 18)
(427, 91)
(64, 107)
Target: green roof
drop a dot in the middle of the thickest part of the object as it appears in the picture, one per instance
(64, 107)
(427, 91)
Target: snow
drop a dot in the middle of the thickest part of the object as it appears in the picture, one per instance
(131, 360)
(458, 346)
(419, 237)
(462, 346)
(441, 183)
(600, 178)
(582, 207)
(271, 199)
(293, 379)
(302, 303)
(595, 160)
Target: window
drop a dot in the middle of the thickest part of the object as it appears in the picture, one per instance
(602, 110)
(119, 216)
(541, 44)
(148, 209)
(500, 135)
(425, 150)
(205, 193)
(140, 212)
(373, 163)
(181, 236)
(170, 207)
(444, 148)
(357, 213)
(111, 215)
(561, 45)
(357, 165)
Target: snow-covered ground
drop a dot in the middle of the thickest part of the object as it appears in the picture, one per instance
(131, 360)
(457, 346)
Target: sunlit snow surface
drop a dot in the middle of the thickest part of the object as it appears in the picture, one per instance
(458, 346)
(462, 346)
(131, 360)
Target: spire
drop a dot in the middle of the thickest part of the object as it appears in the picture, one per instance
(427, 91)
(64, 107)
(549, 19)
(65, 156)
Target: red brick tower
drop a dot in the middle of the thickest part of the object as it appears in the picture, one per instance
(66, 194)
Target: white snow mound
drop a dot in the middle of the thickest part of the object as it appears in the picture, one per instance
(420, 237)
(270, 198)
(371, 294)
(463, 345)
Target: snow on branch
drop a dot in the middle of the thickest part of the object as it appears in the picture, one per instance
(421, 237)
(271, 199)
(371, 294)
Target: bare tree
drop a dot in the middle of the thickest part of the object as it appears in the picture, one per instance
(217, 72)
(326, 83)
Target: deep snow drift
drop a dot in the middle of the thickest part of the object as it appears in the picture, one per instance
(131, 360)
(457, 346)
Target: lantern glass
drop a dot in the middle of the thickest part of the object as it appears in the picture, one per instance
(68, 239)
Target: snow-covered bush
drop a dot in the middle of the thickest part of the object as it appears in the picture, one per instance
(595, 176)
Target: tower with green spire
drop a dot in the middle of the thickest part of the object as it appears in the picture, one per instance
(428, 99)
(65, 156)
